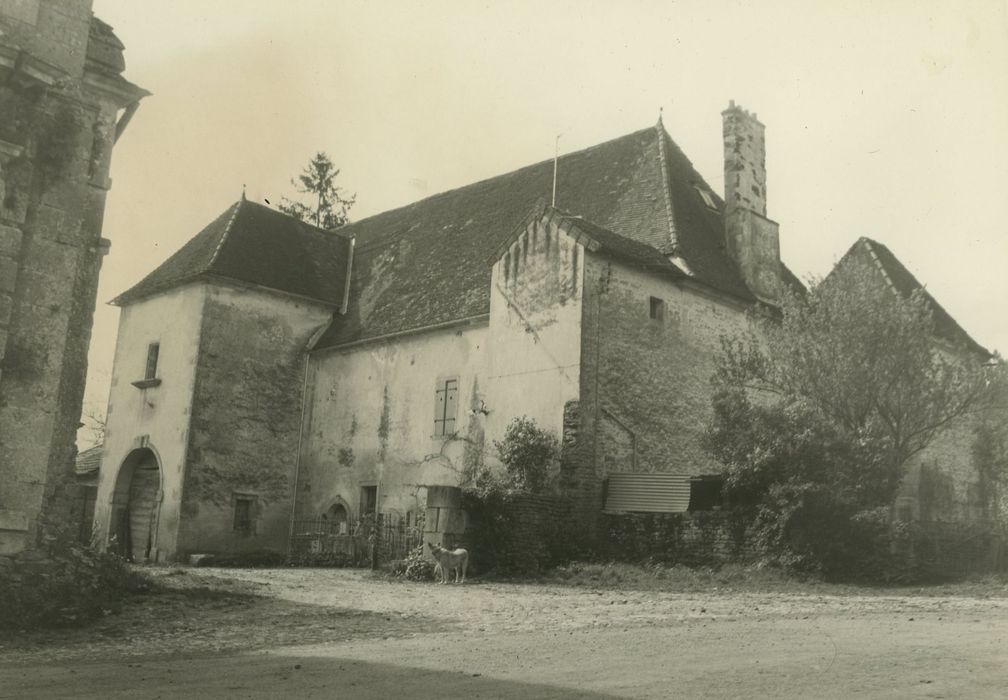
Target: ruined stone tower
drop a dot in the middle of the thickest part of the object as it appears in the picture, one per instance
(63, 105)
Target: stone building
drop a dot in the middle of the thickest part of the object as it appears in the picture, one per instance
(942, 483)
(63, 105)
(270, 371)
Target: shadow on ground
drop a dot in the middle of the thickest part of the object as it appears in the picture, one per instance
(267, 676)
(191, 617)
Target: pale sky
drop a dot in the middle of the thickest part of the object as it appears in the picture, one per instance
(884, 119)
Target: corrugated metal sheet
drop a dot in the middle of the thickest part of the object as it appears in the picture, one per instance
(648, 493)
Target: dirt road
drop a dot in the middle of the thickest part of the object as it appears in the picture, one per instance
(325, 633)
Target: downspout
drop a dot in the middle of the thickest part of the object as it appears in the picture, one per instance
(124, 120)
(297, 455)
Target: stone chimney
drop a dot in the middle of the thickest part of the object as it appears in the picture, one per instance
(751, 238)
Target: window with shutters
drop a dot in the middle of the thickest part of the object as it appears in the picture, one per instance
(445, 405)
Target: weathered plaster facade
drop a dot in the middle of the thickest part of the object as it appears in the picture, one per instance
(154, 417)
(370, 419)
(222, 419)
(534, 352)
(60, 93)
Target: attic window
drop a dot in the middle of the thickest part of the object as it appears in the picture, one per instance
(708, 198)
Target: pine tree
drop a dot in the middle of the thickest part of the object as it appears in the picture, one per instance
(330, 206)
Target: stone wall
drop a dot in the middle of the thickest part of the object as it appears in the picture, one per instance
(691, 539)
(246, 417)
(645, 382)
(523, 534)
(57, 129)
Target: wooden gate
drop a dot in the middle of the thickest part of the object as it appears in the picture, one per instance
(143, 510)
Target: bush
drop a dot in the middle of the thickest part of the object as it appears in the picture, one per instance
(529, 455)
(64, 584)
(414, 567)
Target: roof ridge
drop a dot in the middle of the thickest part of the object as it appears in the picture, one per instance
(306, 225)
(667, 186)
(227, 230)
(485, 180)
(867, 243)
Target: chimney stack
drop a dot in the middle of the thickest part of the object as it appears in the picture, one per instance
(751, 238)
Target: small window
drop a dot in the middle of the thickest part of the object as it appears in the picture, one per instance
(708, 198)
(445, 405)
(368, 500)
(152, 358)
(243, 507)
(657, 309)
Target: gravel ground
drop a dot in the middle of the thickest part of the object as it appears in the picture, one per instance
(318, 633)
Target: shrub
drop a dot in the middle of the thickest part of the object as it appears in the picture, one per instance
(414, 567)
(529, 455)
(62, 584)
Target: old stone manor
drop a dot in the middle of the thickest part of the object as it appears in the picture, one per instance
(270, 370)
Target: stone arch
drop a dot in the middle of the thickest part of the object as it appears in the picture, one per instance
(338, 513)
(136, 506)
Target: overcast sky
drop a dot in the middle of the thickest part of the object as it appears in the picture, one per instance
(884, 119)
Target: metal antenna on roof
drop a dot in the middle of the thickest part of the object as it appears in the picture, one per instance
(556, 158)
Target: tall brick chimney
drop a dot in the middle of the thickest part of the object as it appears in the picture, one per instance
(751, 238)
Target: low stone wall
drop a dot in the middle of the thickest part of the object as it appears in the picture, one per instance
(693, 539)
(522, 534)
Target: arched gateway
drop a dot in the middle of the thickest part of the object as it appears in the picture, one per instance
(135, 506)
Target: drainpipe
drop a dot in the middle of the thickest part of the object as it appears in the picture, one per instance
(297, 455)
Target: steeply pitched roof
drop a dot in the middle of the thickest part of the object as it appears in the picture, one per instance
(598, 239)
(430, 262)
(905, 284)
(255, 244)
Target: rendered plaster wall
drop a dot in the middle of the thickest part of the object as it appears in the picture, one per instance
(246, 413)
(370, 420)
(534, 350)
(155, 417)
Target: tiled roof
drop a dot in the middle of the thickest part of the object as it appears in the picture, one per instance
(906, 284)
(89, 460)
(620, 247)
(430, 262)
(252, 243)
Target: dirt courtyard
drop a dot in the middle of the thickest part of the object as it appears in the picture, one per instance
(343, 633)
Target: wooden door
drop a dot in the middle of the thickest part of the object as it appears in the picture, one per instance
(142, 511)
